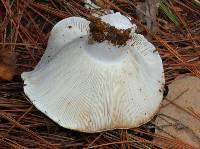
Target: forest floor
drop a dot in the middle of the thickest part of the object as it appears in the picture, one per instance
(24, 32)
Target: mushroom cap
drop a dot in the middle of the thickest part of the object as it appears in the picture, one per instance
(80, 91)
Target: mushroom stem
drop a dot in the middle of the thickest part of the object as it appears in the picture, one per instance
(106, 42)
(106, 52)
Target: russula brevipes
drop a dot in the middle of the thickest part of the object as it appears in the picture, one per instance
(96, 76)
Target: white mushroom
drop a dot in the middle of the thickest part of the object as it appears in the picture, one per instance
(93, 86)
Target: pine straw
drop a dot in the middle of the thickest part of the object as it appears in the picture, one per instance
(25, 29)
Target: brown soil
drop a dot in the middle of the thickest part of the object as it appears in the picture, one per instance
(101, 31)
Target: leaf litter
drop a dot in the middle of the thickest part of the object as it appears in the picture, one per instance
(24, 30)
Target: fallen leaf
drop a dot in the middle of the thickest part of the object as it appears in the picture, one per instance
(174, 118)
(7, 64)
(6, 73)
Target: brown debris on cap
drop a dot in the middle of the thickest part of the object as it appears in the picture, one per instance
(101, 31)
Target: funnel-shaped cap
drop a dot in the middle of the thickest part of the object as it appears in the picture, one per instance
(82, 88)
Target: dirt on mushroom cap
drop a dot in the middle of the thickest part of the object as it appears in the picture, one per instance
(101, 31)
